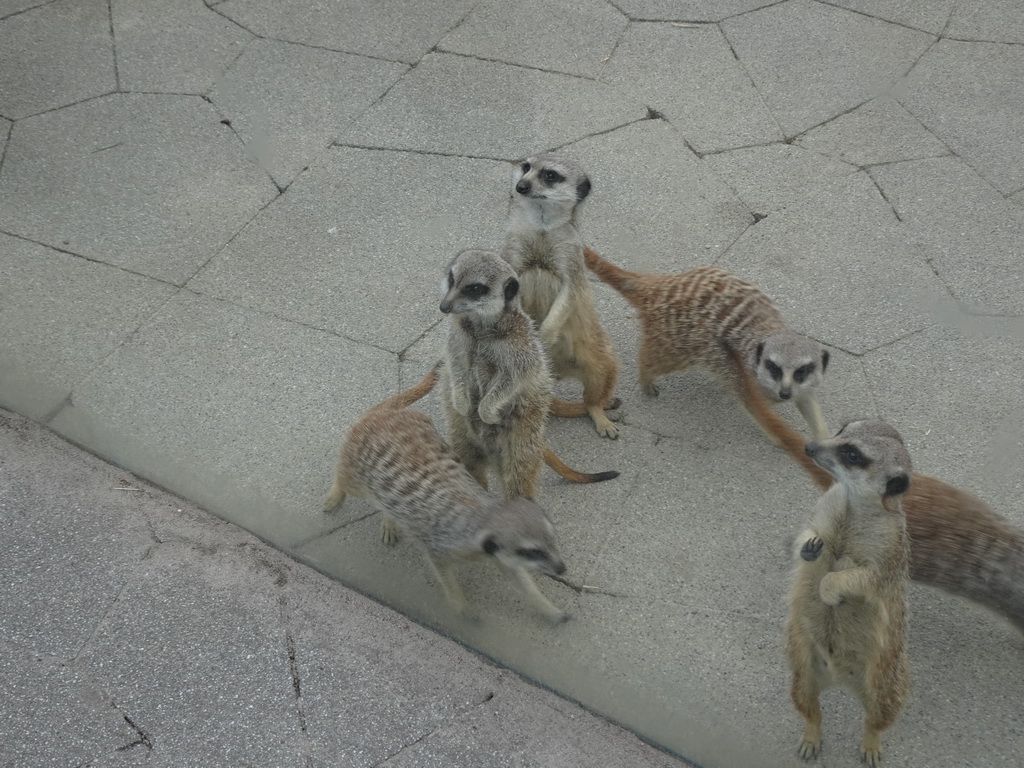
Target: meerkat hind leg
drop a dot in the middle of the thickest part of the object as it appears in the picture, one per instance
(804, 691)
(389, 531)
(444, 570)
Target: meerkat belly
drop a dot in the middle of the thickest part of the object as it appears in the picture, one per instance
(538, 289)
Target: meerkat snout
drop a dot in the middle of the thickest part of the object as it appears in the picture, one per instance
(523, 187)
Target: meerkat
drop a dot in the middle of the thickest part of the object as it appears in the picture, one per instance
(544, 247)
(395, 457)
(496, 386)
(693, 319)
(957, 542)
(848, 602)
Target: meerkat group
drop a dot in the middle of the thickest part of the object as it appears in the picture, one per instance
(525, 316)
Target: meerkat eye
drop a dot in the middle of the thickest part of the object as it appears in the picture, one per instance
(851, 456)
(526, 167)
(773, 369)
(552, 177)
(476, 290)
(531, 554)
(803, 372)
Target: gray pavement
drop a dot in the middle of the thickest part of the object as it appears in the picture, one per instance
(222, 226)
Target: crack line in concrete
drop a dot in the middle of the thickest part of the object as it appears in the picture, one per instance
(86, 100)
(876, 18)
(113, 43)
(26, 10)
(600, 133)
(885, 197)
(438, 153)
(750, 79)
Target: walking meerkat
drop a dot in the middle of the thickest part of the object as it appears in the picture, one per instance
(496, 386)
(957, 542)
(848, 602)
(692, 320)
(544, 247)
(394, 457)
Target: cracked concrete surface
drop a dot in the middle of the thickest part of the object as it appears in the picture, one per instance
(222, 226)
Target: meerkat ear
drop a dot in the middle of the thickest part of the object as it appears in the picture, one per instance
(511, 288)
(583, 188)
(897, 485)
(760, 351)
(824, 360)
(490, 545)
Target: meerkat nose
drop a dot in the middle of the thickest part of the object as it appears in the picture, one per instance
(560, 569)
(810, 448)
(523, 187)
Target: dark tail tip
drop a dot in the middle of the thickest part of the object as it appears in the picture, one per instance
(600, 477)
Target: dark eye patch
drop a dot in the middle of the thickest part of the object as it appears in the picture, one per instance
(475, 290)
(773, 369)
(851, 456)
(451, 278)
(531, 554)
(552, 177)
(526, 167)
(803, 372)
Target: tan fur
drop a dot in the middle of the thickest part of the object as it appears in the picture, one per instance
(495, 381)
(544, 246)
(708, 319)
(848, 609)
(394, 457)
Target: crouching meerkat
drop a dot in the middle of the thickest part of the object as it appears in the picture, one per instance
(848, 601)
(544, 247)
(695, 318)
(394, 457)
(495, 382)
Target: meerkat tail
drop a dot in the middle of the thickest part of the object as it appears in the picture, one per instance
(619, 279)
(570, 410)
(774, 425)
(571, 474)
(409, 396)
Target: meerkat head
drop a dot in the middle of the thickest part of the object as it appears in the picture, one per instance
(789, 365)
(866, 456)
(520, 535)
(549, 189)
(478, 283)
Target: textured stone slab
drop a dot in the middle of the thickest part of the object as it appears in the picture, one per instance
(653, 206)
(1000, 21)
(767, 178)
(969, 233)
(175, 46)
(388, 29)
(55, 55)
(968, 430)
(44, 697)
(839, 267)
(927, 15)
(502, 111)
(238, 411)
(812, 62)
(350, 250)
(5, 132)
(881, 131)
(969, 95)
(692, 77)
(573, 37)
(686, 10)
(288, 102)
(11, 7)
(202, 632)
(62, 316)
(154, 184)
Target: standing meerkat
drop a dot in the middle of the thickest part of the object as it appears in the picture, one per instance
(496, 386)
(394, 457)
(544, 247)
(848, 603)
(693, 320)
(957, 542)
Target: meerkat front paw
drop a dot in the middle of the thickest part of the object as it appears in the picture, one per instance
(389, 531)
(808, 749)
(650, 388)
(460, 402)
(829, 590)
(489, 415)
(811, 549)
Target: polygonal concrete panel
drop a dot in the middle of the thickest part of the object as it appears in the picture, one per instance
(969, 95)
(881, 131)
(686, 10)
(969, 429)
(927, 15)
(457, 105)
(969, 232)
(653, 207)
(238, 411)
(692, 77)
(40, 612)
(812, 61)
(55, 55)
(767, 178)
(1000, 21)
(358, 245)
(154, 184)
(387, 29)
(573, 37)
(44, 697)
(202, 632)
(62, 315)
(288, 102)
(175, 46)
(839, 267)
